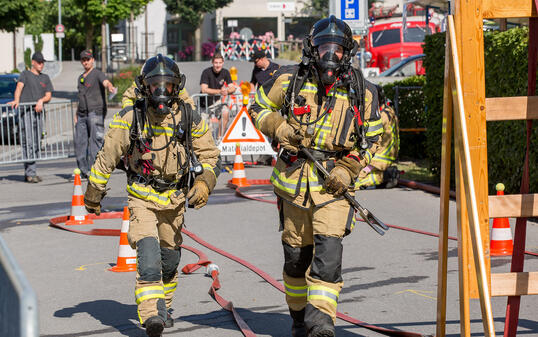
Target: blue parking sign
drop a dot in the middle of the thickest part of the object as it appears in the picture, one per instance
(349, 9)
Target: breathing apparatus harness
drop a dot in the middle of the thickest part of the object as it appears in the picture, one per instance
(349, 78)
(182, 132)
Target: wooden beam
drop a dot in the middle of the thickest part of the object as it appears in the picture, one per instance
(514, 284)
(446, 149)
(495, 9)
(466, 135)
(513, 206)
(470, 44)
(511, 108)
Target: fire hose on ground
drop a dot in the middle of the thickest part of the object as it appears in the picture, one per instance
(213, 270)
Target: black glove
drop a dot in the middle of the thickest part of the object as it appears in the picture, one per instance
(92, 199)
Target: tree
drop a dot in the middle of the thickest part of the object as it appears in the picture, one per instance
(14, 14)
(192, 11)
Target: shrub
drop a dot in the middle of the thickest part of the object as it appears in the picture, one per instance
(506, 60)
(123, 79)
(410, 101)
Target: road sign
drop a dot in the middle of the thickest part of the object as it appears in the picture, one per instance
(281, 6)
(59, 28)
(231, 23)
(243, 131)
(349, 10)
(353, 12)
(60, 35)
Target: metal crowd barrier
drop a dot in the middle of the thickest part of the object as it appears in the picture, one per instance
(26, 135)
(210, 108)
(238, 49)
(19, 314)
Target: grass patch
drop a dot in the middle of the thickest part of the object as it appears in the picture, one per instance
(416, 170)
(292, 55)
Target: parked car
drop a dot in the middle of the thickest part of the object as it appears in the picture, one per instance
(407, 67)
(10, 121)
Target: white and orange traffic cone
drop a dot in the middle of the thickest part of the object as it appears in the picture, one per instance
(126, 255)
(79, 215)
(239, 178)
(501, 236)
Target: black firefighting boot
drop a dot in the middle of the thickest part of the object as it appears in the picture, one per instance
(169, 321)
(154, 326)
(298, 328)
(391, 176)
(317, 323)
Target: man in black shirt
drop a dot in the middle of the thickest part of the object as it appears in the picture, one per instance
(217, 81)
(33, 86)
(90, 117)
(263, 68)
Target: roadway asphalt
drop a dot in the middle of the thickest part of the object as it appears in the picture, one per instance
(390, 281)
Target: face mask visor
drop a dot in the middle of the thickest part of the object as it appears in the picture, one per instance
(330, 51)
(162, 89)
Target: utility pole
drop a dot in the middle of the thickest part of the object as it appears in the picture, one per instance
(131, 38)
(60, 39)
(146, 53)
(103, 42)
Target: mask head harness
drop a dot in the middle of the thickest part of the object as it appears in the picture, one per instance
(160, 81)
(328, 39)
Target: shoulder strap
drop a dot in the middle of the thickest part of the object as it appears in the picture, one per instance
(296, 83)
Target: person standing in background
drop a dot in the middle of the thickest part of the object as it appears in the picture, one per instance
(263, 68)
(33, 86)
(91, 112)
(216, 80)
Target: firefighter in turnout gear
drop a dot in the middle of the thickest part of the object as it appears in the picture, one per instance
(327, 108)
(170, 158)
(380, 171)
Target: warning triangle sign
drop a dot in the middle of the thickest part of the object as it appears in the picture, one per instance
(242, 130)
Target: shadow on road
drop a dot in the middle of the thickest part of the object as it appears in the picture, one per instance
(273, 323)
(110, 313)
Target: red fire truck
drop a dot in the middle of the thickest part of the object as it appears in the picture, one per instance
(388, 44)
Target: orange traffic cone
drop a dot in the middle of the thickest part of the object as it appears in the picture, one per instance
(239, 178)
(78, 216)
(126, 255)
(501, 236)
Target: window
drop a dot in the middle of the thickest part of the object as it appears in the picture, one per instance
(7, 87)
(416, 34)
(384, 37)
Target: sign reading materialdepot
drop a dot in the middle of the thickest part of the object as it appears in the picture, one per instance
(243, 131)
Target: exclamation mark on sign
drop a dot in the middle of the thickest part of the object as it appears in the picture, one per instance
(244, 122)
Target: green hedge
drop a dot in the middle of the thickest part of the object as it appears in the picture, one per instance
(123, 79)
(506, 75)
(410, 113)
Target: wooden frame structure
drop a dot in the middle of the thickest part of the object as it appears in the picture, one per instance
(466, 111)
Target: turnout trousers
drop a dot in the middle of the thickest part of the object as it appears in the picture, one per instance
(312, 240)
(89, 138)
(155, 233)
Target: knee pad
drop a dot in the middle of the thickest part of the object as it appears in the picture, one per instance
(327, 264)
(170, 260)
(148, 253)
(296, 260)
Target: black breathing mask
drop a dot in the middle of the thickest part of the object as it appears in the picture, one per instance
(329, 63)
(161, 99)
